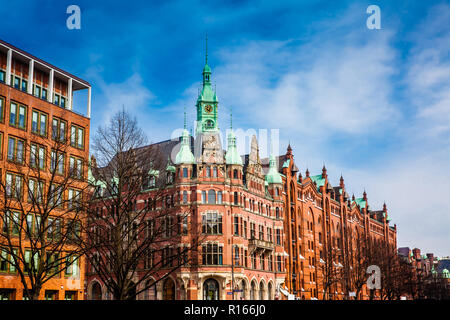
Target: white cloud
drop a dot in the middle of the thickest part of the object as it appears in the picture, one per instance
(429, 72)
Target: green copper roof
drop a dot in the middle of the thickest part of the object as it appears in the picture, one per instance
(232, 156)
(318, 180)
(91, 178)
(169, 166)
(361, 202)
(445, 274)
(185, 155)
(286, 163)
(273, 176)
(153, 172)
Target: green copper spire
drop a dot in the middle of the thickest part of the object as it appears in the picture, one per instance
(185, 156)
(207, 102)
(273, 176)
(232, 156)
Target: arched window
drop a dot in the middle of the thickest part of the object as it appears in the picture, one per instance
(236, 199)
(211, 197)
(277, 212)
(269, 291)
(253, 291)
(215, 172)
(150, 293)
(185, 172)
(185, 197)
(261, 291)
(210, 289)
(235, 174)
(169, 290)
(96, 291)
(243, 288)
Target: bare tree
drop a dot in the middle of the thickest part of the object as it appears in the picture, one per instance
(331, 269)
(137, 231)
(41, 210)
(356, 262)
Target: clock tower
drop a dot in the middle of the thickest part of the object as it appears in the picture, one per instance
(208, 146)
(207, 103)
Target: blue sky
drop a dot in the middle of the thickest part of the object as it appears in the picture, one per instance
(373, 105)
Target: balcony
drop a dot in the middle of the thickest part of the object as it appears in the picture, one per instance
(260, 245)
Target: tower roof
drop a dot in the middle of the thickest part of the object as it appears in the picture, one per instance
(273, 176)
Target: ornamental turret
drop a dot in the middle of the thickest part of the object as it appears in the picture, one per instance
(185, 155)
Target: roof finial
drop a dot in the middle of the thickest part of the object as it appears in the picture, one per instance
(206, 56)
(185, 122)
(231, 117)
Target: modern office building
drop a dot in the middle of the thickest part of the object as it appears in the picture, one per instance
(36, 110)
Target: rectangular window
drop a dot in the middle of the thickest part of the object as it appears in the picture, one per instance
(57, 163)
(73, 198)
(16, 83)
(39, 123)
(2, 109)
(37, 91)
(56, 100)
(35, 191)
(44, 94)
(236, 226)
(15, 149)
(212, 223)
(13, 185)
(17, 115)
(63, 102)
(37, 156)
(212, 254)
(24, 85)
(76, 167)
(77, 137)
(59, 129)
(2, 76)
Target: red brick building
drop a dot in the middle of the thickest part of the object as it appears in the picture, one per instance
(320, 218)
(264, 214)
(239, 208)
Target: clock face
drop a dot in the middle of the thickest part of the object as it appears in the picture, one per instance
(208, 108)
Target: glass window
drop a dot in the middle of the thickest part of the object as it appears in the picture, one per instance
(22, 117)
(34, 122)
(37, 91)
(77, 137)
(2, 76)
(15, 149)
(39, 123)
(211, 197)
(2, 108)
(13, 114)
(24, 85)
(56, 101)
(219, 197)
(63, 102)
(44, 94)
(16, 82)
